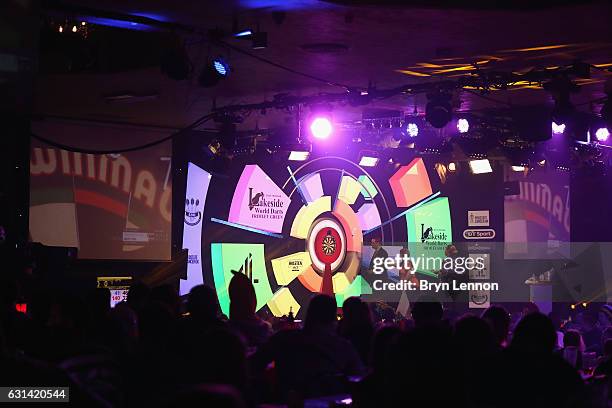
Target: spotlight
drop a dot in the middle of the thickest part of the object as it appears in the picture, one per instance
(572, 307)
(584, 304)
(558, 129)
(260, 40)
(321, 127)
(561, 89)
(412, 129)
(297, 155)
(368, 161)
(221, 67)
(452, 167)
(243, 33)
(518, 168)
(74, 29)
(481, 166)
(542, 162)
(463, 125)
(213, 72)
(60, 29)
(602, 134)
(438, 111)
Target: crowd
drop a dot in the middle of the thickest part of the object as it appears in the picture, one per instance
(156, 351)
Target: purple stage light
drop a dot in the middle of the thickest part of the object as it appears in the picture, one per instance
(413, 129)
(558, 129)
(463, 125)
(321, 128)
(602, 134)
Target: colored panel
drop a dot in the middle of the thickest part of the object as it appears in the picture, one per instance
(351, 225)
(357, 288)
(288, 267)
(311, 280)
(368, 216)
(410, 184)
(258, 202)
(368, 190)
(311, 187)
(196, 191)
(351, 264)
(283, 302)
(244, 258)
(429, 231)
(306, 216)
(340, 282)
(349, 190)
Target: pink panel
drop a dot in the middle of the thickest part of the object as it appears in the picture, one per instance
(258, 202)
(410, 184)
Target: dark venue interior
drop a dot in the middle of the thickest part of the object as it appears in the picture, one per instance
(306, 203)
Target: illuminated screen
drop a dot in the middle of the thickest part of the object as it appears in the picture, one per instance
(107, 206)
(298, 229)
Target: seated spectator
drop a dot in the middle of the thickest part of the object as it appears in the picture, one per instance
(203, 308)
(242, 318)
(536, 376)
(356, 326)
(314, 361)
(605, 364)
(499, 320)
(573, 348)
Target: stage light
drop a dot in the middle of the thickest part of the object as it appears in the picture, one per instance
(368, 161)
(243, 33)
(297, 155)
(213, 72)
(542, 162)
(558, 129)
(60, 29)
(221, 67)
(584, 304)
(518, 168)
(602, 134)
(463, 125)
(412, 129)
(438, 111)
(481, 166)
(321, 127)
(452, 167)
(572, 307)
(74, 29)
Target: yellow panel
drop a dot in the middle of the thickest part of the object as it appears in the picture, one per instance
(283, 302)
(349, 190)
(340, 282)
(307, 214)
(288, 267)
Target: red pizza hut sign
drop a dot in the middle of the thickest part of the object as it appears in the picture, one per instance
(487, 233)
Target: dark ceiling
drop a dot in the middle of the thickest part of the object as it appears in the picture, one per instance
(350, 42)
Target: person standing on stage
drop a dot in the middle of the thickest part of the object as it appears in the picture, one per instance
(379, 253)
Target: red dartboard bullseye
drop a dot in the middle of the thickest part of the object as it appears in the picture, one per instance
(326, 244)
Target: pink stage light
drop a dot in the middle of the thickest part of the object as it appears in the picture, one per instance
(321, 128)
(602, 134)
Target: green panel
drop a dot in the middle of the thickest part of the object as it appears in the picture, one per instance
(240, 257)
(429, 231)
(358, 287)
(368, 190)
